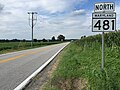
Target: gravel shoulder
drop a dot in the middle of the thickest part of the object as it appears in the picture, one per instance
(38, 82)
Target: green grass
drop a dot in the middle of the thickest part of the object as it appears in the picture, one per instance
(84, 62)
(16, 46)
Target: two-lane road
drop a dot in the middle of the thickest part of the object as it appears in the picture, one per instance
(17, 66)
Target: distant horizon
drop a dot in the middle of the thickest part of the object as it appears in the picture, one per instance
(37, 39)
(70, 18)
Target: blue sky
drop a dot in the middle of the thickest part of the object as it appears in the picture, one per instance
(71, 18)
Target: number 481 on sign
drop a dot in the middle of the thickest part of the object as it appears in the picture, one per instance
(106, 25)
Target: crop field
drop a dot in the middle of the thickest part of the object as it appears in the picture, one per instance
(80, 65)
(15, 46)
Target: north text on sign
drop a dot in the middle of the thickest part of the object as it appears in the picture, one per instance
(104, 7)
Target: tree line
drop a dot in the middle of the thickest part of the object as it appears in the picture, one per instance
(59, 38)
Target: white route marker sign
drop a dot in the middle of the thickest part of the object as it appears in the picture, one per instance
(104, 17)
(103, 22)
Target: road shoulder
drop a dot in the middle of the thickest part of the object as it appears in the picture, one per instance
(40, 80)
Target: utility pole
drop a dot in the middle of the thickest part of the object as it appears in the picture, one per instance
(33, 22)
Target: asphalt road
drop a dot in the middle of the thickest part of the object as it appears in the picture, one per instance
(17, 66)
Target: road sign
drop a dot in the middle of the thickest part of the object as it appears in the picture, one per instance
(103, 22)
(104, 7)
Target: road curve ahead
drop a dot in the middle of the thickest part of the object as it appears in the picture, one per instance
(17, 66)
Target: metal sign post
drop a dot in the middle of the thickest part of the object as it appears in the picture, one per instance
(104, 20)
(102, 50)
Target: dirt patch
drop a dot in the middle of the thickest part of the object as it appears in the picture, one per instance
(50, 72)
(54, 67)
(70, 84)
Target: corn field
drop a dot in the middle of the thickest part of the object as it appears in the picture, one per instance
(111, 39)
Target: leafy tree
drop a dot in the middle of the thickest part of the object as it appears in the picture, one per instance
(53, 38)
(35, 40)
(61, 38)
(15, 40)
(24, 40)
(44, 40)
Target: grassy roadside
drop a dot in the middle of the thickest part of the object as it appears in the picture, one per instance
(80, 69)
(6, 47)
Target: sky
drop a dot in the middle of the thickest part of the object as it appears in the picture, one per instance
(71, 18)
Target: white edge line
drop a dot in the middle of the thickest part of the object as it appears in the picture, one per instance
(26, 81)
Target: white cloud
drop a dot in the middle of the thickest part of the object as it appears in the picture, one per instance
(78, 12)
(1, 7)
(70, 25)
(117, 15)
(54, 5)
(54, 17)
